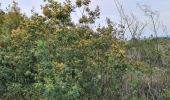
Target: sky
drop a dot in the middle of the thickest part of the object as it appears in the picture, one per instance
(107, 8)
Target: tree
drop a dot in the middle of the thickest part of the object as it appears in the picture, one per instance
(49, 57)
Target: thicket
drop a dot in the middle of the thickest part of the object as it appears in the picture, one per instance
(49, 57)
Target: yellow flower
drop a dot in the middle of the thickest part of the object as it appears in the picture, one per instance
(59, 65)
(122, 51)
(58, 30)
(126, 43)
(84, 42)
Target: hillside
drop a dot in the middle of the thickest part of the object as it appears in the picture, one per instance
(150, 69)
(48, 56)
(151, 48)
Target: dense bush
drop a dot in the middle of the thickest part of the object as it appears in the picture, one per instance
(49, 57)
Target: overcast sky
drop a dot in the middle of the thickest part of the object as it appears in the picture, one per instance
(107, 7)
